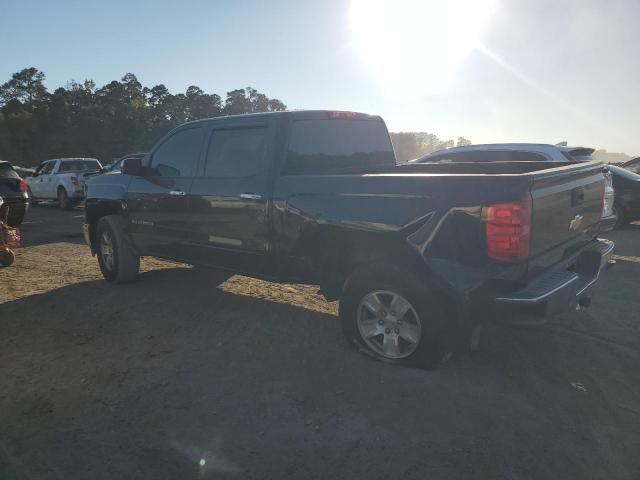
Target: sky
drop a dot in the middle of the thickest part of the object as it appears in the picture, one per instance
(489, 70)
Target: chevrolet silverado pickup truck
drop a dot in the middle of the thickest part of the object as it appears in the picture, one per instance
(417, 254)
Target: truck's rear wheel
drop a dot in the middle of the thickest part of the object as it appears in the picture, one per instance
(392, 315)
(118, 260)
(618, 211)
(63, 199)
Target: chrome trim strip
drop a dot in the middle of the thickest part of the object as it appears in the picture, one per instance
(541, 297)
(606, 254)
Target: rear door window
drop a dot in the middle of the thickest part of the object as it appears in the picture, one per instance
(334, 145)
(178, 155)
(237, 152)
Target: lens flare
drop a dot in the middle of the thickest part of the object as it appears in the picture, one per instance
(417, 44)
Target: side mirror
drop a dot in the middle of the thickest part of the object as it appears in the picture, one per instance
(131, 166)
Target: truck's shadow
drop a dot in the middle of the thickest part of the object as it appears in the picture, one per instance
(168, 371)
(47, 223)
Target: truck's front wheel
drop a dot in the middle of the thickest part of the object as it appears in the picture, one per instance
(118, 260)
(391, 314)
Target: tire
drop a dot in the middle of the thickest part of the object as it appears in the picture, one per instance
(415, 337)
(32, 201)
(6, 258)
(63, 199)
(119, 262)
(618, 211)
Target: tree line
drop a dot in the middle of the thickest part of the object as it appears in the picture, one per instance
(124, 116)
(410, 145)
(117, 118)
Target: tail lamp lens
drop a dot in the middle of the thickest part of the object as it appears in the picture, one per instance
(508, 230)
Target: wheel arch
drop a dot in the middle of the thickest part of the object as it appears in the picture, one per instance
(94, 212)
(338, 253)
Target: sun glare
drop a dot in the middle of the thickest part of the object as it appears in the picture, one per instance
(417, 44)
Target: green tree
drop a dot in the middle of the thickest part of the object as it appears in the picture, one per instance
(25, 86)
(117, 118)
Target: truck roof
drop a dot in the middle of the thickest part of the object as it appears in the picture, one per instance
(306, 114)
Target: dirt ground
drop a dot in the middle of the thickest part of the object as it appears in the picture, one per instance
(167, 378)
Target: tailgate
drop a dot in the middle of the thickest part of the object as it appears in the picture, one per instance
(566, 208)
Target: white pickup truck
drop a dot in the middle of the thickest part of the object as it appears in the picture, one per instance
(61, 179)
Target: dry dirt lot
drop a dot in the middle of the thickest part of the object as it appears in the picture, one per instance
(167, 378)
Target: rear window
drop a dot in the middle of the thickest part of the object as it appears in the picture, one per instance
(6, 171)
(79, 165)
(486, 156)
(338, 145)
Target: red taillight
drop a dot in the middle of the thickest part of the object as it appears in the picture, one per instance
(74, 181)
(508, 230)
(23, 186)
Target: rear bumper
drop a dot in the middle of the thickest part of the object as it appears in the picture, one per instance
(560, 288)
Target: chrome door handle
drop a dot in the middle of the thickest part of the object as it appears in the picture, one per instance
(177, 193)
(250, 196)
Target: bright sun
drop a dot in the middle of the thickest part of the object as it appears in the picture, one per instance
(417, 44)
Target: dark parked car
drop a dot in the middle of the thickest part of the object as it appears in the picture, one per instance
(13, 190)
(627, 197)
(116, 166)
(417, 254)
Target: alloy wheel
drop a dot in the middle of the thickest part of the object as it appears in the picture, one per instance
(106, 250)
(389, 324)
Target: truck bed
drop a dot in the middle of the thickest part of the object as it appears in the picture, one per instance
(440, 206)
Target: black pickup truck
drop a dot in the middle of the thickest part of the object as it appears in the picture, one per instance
(417, 254)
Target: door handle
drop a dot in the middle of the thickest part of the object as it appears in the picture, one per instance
(177, 193)
(250, 196)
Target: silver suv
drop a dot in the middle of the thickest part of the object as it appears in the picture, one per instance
(509, 152)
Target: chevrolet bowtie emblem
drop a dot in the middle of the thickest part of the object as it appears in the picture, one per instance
(575, 223)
